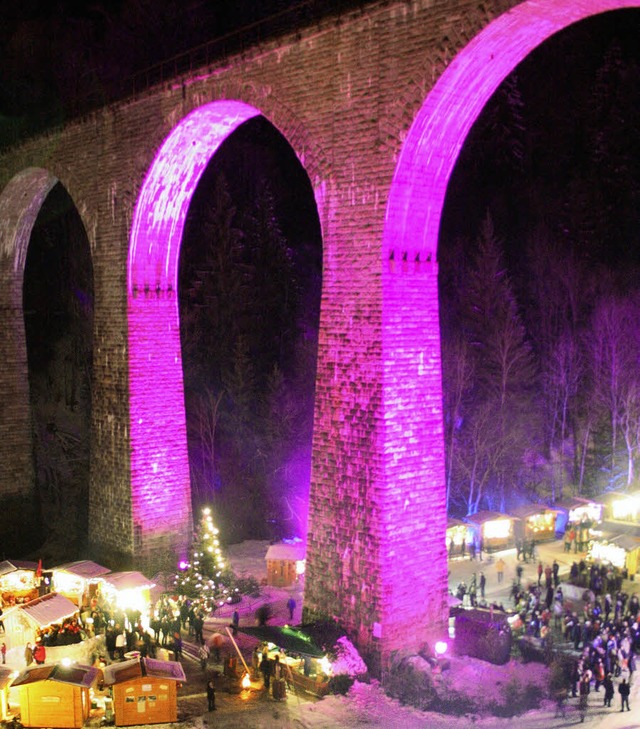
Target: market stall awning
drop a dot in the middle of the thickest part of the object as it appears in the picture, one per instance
(289, 639)
(52, 608)
(128, 580)
(84, 568)
(8, 566)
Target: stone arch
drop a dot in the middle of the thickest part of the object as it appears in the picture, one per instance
(441, 125)
(20, 202)
(160, 485)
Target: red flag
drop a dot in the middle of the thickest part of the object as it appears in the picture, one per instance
(39, 569)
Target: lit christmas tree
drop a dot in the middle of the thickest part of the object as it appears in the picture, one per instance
(205, 575)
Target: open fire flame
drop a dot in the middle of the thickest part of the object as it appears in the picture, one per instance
(246, 681)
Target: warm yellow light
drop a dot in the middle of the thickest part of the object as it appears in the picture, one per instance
(325, 666)
(246, 681)
(609, 553)
(626, 508)
(497, 529)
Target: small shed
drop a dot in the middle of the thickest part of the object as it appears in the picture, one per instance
(79, 581)
(620, 506)
(535, 522)
(576, 510)
(55, 695)
(494, 528)
(619, 545)
(18, 581)
(144, 690)
(6, 677)
(23, 622)
(458, 534)
(129, 591)
(285, 563)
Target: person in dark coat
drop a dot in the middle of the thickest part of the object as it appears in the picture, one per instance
(266, 668)
(623, 690)
(211, 695)
(608, 689)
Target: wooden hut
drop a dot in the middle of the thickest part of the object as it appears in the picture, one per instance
(496, 530)
(285, 563)
(576, 510)
(129, 591)
(23, 622)
(79, 581)
(535, 522)
(144, 690)
(620, 507)
(55, 695)
(458, 534)
(6, 677)
(18, 582)
(618, 544)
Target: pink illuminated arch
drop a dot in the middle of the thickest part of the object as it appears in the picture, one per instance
(160, 485)
(438, 132)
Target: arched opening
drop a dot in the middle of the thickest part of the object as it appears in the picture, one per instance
(160, 478)
(249, 292)
(58, 316)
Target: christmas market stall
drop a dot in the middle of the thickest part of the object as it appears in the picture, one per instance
(620, 547)
(55, 695)
(305, 664)
(535, 522)
(19, 581)
(285, 563)
(621, 507)
(129, 592)
(576, 510)
(459, 535)
(50, 619)
(495, 530)
(144, 690)
(6, 677)
(79, 581)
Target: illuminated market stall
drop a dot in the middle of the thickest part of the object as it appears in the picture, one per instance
(19, 582)
(535, 522)
(79, 581)
(129, 592)
(620, 548)
(458, 534)
(621, 507)
(576, 510)
(26, 622)
(144, 690)
(55, 695)
(6, 677)
(495, 529)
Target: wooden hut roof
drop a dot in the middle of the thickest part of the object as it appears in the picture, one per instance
(484, 516)
(139, 667)
(12, 565)
(295, 551)
(84, 568)
(48, 609)
(75, 674)
(127, 580)
(522, 512)
(6, 676)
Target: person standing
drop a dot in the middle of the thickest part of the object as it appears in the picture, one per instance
(291, 606)
(28, 654)
(500, 570)
(483, 583)
(39, 653)
(3, 650)
(608, 689)
(623, 690)
(266, 669)
(203, 655)
(235, 621)
(211, 695)
(583, 694)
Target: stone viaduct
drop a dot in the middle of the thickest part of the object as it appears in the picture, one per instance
(376, 105)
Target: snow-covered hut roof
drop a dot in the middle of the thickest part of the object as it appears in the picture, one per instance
(294, 552)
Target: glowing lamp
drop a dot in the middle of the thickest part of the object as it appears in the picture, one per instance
(497, 529)
(440, 647)
(66, 661)
(183, 564)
